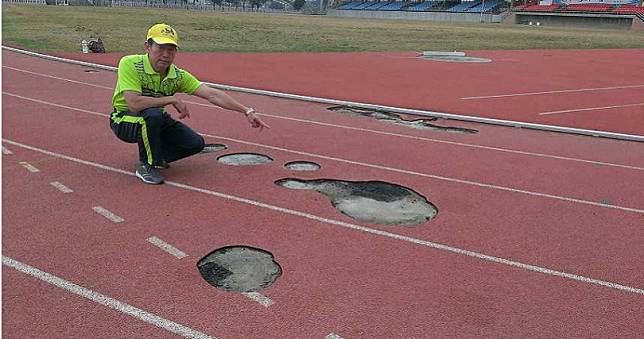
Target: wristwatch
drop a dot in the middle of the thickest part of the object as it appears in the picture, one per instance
(249, 111)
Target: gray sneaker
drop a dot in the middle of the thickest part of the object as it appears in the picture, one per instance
(149, 174)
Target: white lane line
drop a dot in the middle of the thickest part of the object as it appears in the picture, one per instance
(109, 215)
(31, 168)
(499, 149)
(590, 109)
(104, 300)
(261, 299)
(552, 92)
(6, 150)
(364, 229)
(55, 105)
(167, 247)
(61, 187)
(57, 78)
(333, 336)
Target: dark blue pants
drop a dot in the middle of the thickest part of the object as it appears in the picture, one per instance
(159, 136)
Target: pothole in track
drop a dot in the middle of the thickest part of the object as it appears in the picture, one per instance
(239, 268)
(302, 166)
(244, 159)
(375, 202)
(393, 118)
(212, 148)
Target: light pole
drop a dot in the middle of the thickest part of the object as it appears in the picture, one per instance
(482, 6)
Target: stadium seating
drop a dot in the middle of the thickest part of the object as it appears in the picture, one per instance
(394, 6)
(629, 9)
(588, 8)
(424, 6)
(350, 5)
(464, 6)
(540, 8)
(377, 6)
(484, 7)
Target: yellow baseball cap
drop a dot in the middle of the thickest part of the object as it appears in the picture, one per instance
(163, 34)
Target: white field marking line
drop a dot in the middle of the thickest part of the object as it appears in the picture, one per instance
(55, 105)
(6, 150)
(590, 109)
(109, 215)
(31, 168)
(61, 187)
(438, 177)
(467, 182)
(258, 297)
(57, 78)
(167, 247)
(552, 92)
(104, 300)
(333, 336)
(360, 129)
(364, 229)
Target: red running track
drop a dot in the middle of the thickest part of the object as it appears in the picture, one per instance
(602, 89)
(560, 202)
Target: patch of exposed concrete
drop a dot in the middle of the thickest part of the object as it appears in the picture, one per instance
(212, 148)
(302, 166)
(244, 159)
(239, 268)
(375, 202)
(394, 118)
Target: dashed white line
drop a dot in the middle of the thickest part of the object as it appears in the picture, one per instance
(333, 336)
(590, 109)
(6, 151)
(57, 78)
(552, 92)
(439, 246)
(61, 187)
(29, 167)
(55, 105)
(261, 299)
(167, 247)
(109, 215)
(104, 300)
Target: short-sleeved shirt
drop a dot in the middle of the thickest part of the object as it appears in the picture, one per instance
(135, 73)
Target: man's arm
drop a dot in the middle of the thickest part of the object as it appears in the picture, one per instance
(137, 102)
(223, 100)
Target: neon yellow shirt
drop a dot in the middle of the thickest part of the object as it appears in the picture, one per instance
(135, 73)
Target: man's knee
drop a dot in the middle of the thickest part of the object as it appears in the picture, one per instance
(199, 144)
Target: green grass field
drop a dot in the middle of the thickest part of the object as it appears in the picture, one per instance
(58, 28)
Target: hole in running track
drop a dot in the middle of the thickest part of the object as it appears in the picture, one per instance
(397, 119)
(375, 202)
(302, 166)
(244, 159)
(212, 148)
(239, 268)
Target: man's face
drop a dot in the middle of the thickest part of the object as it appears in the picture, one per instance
(161, 56)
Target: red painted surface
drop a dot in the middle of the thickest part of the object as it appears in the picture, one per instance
(335, 279)
(402, 80)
